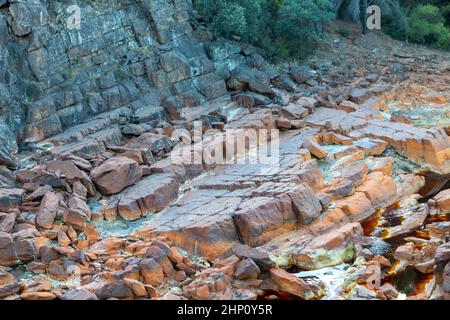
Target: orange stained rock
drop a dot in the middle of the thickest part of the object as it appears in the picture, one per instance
(358, 207)
(443, 201)
(380, 189)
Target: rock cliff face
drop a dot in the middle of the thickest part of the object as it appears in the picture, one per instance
(126, 54)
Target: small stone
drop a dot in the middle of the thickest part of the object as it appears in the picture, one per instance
(247, 269)
(38, 296)
(389, 291)
(118, 289)
(137, 287)
(283, 124)
(79, 295)
(63, 239)
(180, 276)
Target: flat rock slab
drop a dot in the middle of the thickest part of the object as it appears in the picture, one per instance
(202, 223)
(115, 174)
(426, 146)
(240, 203)
(151, 194)
(93, 144)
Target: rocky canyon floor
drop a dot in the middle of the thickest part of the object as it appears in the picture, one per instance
(355, 206)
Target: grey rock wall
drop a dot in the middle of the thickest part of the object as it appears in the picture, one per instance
(138, 54)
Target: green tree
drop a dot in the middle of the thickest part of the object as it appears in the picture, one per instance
(300, 23)
(228, 18)
(427, 27)
(230, 21)
(278, 26)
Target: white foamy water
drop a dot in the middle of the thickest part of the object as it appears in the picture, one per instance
(333, 278)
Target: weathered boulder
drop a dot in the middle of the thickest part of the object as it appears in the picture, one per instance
(294, 285)
(151, 194)
(443, 201)
(329, 249)
(246, 269)
(75, 218)
(48, 210)
(357, 206)
(137, 287)
(9, 286)
(300, 74)
(261, 258)
(156, 144)
(262, 218)
(67, 169)
(312, 144)
(305, 204)
(210, 85)
(117, 289)
(78, 294)
(8, 255)
(38, 296)
(26, 17)
(115, 174)
(212, 285)
(151, 271)
(380, 189)
(7, 221)
(25, 249)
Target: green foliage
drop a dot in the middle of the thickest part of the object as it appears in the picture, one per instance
(232, 17)
(285, 27)
(300, 23)
(446, 13)
(231, 21)
(291, 28)
(427, 27)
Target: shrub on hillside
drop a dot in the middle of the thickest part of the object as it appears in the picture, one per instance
(286, 27)
(229, 18)
(300, 23)
(426, 26)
